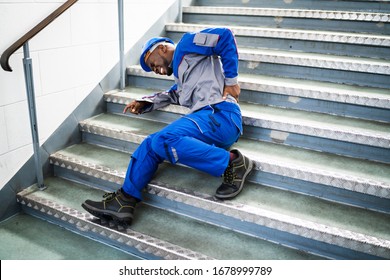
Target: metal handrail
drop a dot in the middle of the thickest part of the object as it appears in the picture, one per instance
(29, 80)
(4, 60)
(28, 73)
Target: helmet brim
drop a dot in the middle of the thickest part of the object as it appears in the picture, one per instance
(148, 45)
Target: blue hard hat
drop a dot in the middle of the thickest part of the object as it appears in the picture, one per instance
(147, 46)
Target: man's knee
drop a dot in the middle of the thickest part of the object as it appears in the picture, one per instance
(162, 144)
(157, 143)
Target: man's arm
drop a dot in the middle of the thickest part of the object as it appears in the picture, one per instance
(153, 102)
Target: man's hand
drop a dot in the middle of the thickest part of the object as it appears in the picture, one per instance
(134, 107)
(231, 90)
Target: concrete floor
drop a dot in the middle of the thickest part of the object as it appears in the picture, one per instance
(24, 237)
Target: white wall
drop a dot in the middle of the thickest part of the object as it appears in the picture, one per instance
(70, 57)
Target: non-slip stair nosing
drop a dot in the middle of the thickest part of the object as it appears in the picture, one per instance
(323, 177)
(333, 95)
(306, 229)
(347, 135)
(294, 13)
(256, 214)
(315, 175)
(334, 133)
(113, 97)
(328, 63)
(310, 35)
(142, 242)
(119, 134)
(90, 169)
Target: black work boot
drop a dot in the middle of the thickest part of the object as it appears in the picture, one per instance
(234, 176)
(116, 206)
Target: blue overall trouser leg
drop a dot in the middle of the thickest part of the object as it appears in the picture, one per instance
(198, 140)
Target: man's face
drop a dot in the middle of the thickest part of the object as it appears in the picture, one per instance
(158, 62)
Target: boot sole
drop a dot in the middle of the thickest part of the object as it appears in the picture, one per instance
(233, 195)
(124, 218)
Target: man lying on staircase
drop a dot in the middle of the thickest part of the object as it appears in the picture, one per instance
(205, 68)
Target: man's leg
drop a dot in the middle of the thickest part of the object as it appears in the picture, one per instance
(181, 141)
(120, 205)
(143, 164)
(196, 141)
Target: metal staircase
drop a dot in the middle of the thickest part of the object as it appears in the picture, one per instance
(315, 80)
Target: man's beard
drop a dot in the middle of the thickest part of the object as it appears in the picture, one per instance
(169, 71)
(167, 64)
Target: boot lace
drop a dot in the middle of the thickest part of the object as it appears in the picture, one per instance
(229, 175)
(109, 196)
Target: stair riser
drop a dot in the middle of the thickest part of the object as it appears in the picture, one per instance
(322, 191)
(111, 185)
(211, 213)
(318, 143)
(282, 100)
(281, 137)
(301, 4)
(110, 142)
(314, 105)
(315, 73)
(279, 178)
(286, 22)
(310, 46)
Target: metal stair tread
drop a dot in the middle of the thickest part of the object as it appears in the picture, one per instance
(296, 13)
(281, 207)
(356, 5)
(338, 171)
(121, 128)
(375, 97)
(346, 63)
(298, 34)
(290, 120)
(53, 202)
(153, 225)
(317, 121)
(367, 96)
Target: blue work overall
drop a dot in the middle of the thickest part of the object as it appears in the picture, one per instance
(198, 140)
